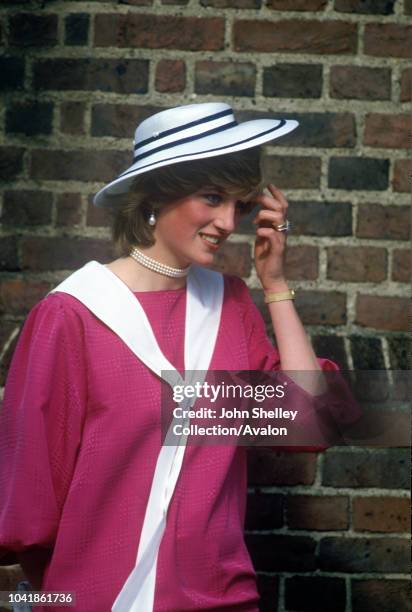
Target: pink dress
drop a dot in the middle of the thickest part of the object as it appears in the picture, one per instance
(79, 439)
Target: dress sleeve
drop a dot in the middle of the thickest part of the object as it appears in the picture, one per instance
(41, 424)
(336, 408)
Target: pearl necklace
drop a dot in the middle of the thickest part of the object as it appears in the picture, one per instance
(156, 266)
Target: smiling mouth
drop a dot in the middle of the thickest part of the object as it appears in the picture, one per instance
(211, 239)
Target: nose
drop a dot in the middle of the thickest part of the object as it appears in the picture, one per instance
(226, 218)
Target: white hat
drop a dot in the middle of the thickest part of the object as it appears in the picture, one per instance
(190, 132)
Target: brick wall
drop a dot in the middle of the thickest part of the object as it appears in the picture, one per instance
(326, 532)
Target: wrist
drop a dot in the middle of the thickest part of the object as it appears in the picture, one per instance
(280, 285)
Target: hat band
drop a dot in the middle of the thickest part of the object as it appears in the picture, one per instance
(176, 143)
(282, 122)
(183, 128)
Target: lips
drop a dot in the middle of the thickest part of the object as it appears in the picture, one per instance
(211, 239)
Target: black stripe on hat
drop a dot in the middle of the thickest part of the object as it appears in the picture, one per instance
(233, 144)
(176, 143)
(186, 126)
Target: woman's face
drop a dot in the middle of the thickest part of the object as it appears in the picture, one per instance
(192, 229)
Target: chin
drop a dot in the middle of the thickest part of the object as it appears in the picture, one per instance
(205, 259)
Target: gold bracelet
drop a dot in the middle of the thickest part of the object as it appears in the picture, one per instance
(278, 297)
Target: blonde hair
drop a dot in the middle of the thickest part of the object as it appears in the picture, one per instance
(237, 174)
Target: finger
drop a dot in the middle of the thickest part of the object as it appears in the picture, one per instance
(278, 195)
(270, 232)
(268, 201)
(269, 216)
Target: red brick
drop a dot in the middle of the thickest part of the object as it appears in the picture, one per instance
(12, 73)
(358, 173)
(323, 218)
(331, 345)
(9, 257)
(324, 512)
(401, 265)
(270, 467)
(297, 5)
(289, 36)
(392, 425)
(336, 218)
(386, 468)
(293, 80)
(356, 264)
(321, 307)
(138, 2)
(28, 30)
(386, 130)
(113, 75)
(69, 209)
(400, 360)
(62, 253)
(268, 589)
(225, 78)
(406, 85)
(367, 354)
(292, 171)
(360, 83)
(239, 4)
(97, 216)
(29, 118)
(384, 222)
(322, 130)
(10, 577)
(234, 258)
(368, 7)
(80, 165)
(320, 593)
(264, 511)
(270, 552)
(402, 175)
(381, 594)
(175, 2)
(388, 39)
(159, 32)
(25, 207)
(302, 262)
(18, 296)
(119, 120)
(364, 554)
(72, 115)
(76, 29)
(170, 76)
(383, 312)
(9, 334)
(383, 514)
(11, 162)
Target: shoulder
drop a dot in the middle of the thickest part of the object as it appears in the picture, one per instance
(55, 314)
(58, 303)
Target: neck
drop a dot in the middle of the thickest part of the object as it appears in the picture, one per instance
(147, 280)
(160, 268)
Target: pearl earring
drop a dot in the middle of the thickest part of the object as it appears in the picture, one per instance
(152, 219)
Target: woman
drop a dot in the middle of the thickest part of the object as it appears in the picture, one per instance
(91, 501)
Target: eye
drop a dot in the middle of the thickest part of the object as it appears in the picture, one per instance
(213, 198)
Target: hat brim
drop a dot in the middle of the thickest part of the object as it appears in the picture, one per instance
(243, 136)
